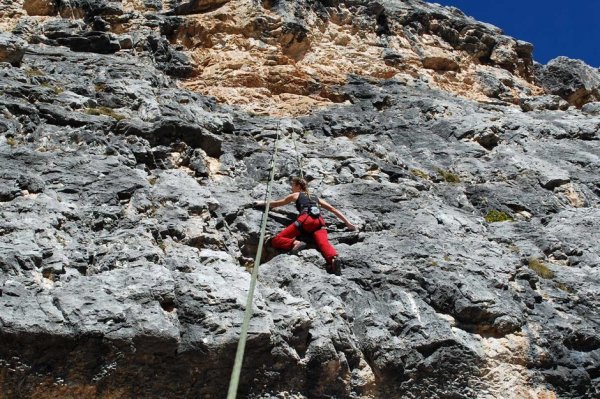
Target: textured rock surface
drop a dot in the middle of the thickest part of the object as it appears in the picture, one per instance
(12, 49)
(126, 226)
(573, 80)
(285, 57)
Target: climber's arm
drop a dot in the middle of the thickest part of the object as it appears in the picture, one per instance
(338, 214)
(280, 202)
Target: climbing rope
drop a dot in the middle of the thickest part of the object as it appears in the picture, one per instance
(239, 355)
(68, 2)
(298, 158)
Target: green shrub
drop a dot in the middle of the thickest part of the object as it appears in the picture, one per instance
(419, 173)
(54, 88)
(448, 176)
(104, 111)
(514, 248)
(564, 287)
(540, 269)
(497, 216)
(33, 71)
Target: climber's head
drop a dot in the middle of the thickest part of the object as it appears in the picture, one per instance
(298, 184)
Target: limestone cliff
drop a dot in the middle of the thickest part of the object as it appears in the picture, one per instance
(135, 135)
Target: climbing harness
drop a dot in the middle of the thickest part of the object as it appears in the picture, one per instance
(239, 355)
(307, 204)
(308, 207)
(299, 223)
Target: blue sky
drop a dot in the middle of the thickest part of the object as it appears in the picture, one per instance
(565, 27)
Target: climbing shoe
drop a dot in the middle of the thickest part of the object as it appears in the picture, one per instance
(299, 246)
(335, 267)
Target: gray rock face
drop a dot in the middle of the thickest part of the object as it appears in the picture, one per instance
(591, 108)
(174, 63)
(126, 227)
(550, 102)
(12, 48)
(573, 80)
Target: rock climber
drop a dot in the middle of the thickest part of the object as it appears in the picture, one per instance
(308, 221)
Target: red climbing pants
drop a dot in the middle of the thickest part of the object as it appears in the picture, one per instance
(285, 239)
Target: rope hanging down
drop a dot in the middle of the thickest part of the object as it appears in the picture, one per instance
(298, 158)
(239, 355)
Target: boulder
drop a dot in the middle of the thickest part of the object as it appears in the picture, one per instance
(173, 62)
(40, 7)
(592, 108)
(547, 102)
(505, 54)
(573, 80)
(198, 6)
(12, 48)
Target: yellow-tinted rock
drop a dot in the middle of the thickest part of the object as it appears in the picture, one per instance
(39, 7)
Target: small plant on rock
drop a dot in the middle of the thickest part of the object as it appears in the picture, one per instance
(33, 71)
(54, 88)
(497, 216)
(564, 287)
(104, 111)
(540, 269)
(419, 173)
(514, 248)
(448, 176)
